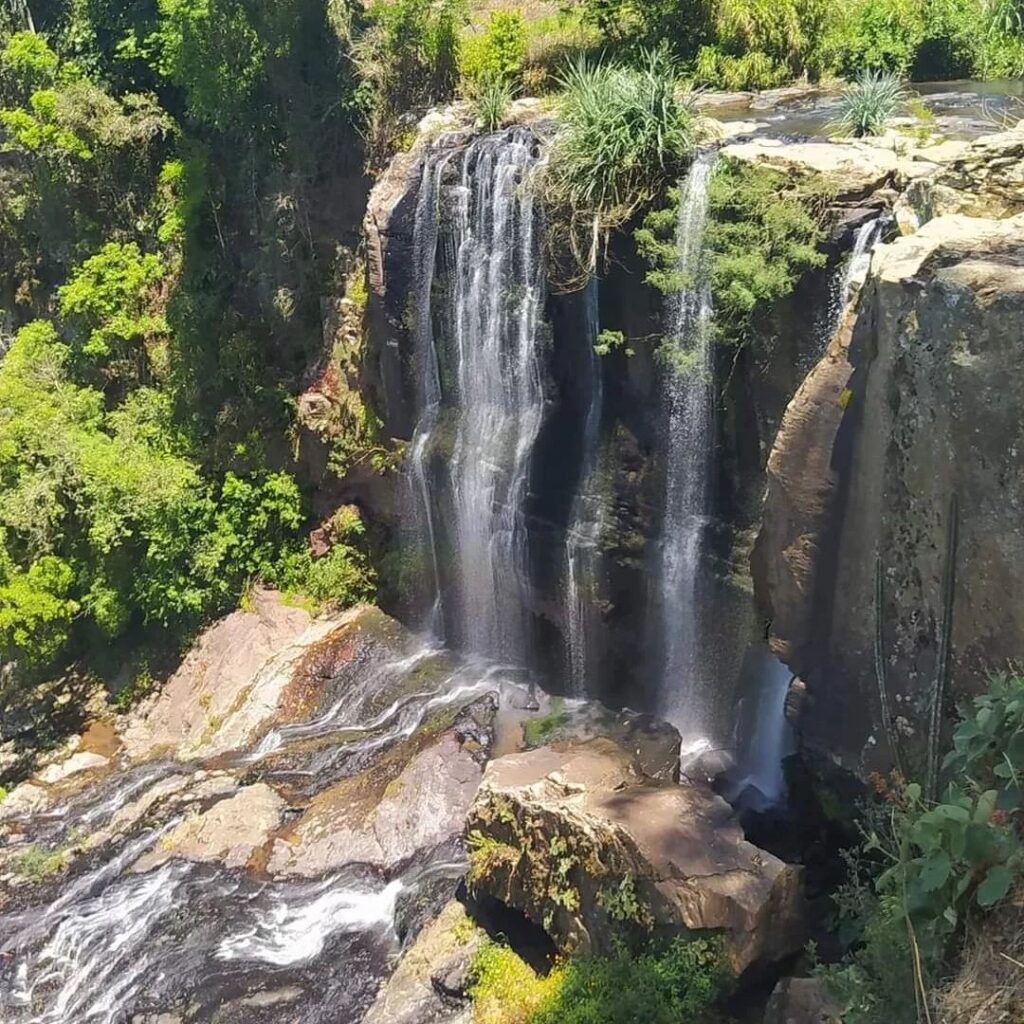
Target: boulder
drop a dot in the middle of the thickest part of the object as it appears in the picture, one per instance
(982, 179)
(578, 839)
(801, 1001)
(430, 984)
(81, 761)
(230, 832)
(234, 682)
(856, 168)
(415, 799)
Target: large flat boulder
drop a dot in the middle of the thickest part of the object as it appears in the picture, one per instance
(230, 832)
(856, 168)
(236, 680)
(583, 843)
(413, 800)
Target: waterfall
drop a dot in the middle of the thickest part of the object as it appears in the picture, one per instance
(478, 347)
(763, 736)
(685, 694)
(859, 263)
(848, 277)
(582, 552)
(427, 373)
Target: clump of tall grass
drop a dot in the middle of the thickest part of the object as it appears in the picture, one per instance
(624, 132)
(868, 103)
(493, 101)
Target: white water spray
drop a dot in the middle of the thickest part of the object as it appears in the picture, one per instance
(686, 694)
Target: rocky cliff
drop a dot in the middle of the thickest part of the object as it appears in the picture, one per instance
(892, 532)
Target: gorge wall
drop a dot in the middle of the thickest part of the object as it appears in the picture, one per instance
(834, 446)
(893, 505)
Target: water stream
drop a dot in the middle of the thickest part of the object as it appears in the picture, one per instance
(479, 342)
(686, 694)
(110, 942)
(586, 525)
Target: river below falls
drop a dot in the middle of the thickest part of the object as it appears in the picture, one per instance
(108, 943)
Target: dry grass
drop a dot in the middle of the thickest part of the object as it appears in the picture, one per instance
(989, 986)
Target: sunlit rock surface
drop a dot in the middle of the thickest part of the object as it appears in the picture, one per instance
(578, 839)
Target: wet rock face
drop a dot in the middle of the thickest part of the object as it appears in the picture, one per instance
(223, 691)
(430, 983)
(925, 413)
(585, 845)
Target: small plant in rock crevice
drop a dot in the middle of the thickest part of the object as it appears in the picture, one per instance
(493, 103)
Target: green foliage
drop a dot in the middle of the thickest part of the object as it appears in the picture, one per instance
(213, 49)
(35, 612)
(496, 55)
(622, 903)
(109, 304)
(762, 235)
(505, 989)
(758, 44)
(752, 70)
(624, 133)
(138, 687)
(340, 578)
(988, 744)
(165, 299)
(671, 984)
(868, 104)
(640, 23)
(408, 58)
(37, 864)
(493, 102)
(922, 870)
(538, 731)
(107, 522)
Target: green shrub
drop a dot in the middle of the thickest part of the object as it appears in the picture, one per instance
(506, 990)
(868, 104)
(754, 70)
(408, 58)
(624, 133)
(923, 870)
(875, 35)
(762, 235)
(951, 43)
(37, 864)
(537, 731)
(671, 984)
(497, 55)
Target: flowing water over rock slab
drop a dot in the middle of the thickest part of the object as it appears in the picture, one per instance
(198, 881)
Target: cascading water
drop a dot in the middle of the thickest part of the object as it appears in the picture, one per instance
(859, 263)
(582, 553)
(845, 282)
(427, 373)
(120, 942)
(685, 694)
(478, 307)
